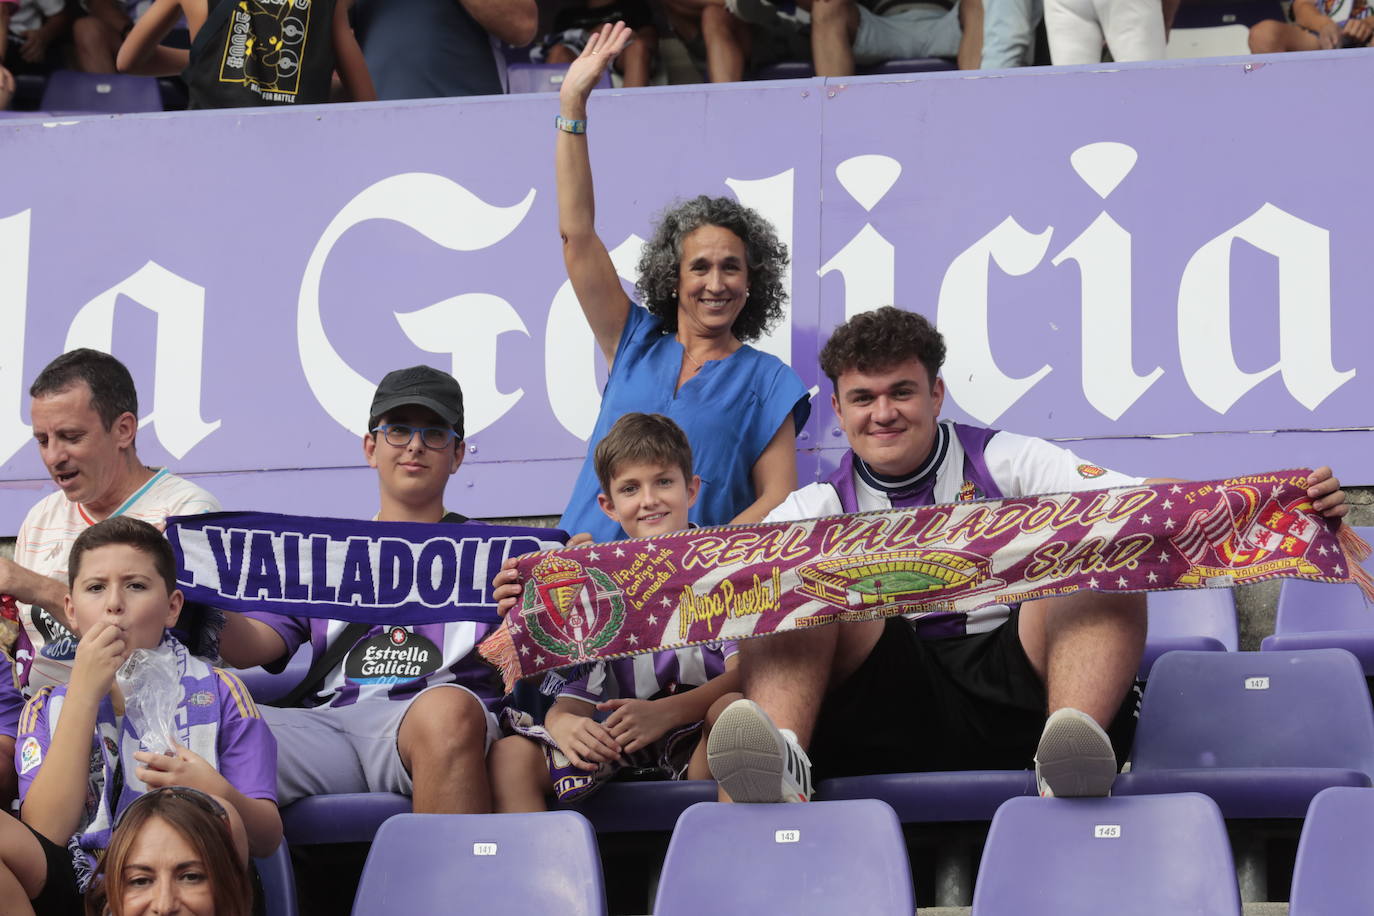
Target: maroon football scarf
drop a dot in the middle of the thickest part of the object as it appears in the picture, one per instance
(604, 601)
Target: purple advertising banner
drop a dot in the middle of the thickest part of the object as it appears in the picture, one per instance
(1135, 261)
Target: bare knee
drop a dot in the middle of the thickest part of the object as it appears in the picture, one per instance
(718, 22)
(95, 42)
(560, 54)
(833, 15)
(1267, 37)
(441, 726)
(718, 707)
(513, 753)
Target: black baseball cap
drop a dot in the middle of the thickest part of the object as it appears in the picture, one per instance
(422, 385)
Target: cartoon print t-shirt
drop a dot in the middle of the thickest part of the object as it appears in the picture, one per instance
(262, 52)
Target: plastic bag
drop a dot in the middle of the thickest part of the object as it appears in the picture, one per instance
(151, 686)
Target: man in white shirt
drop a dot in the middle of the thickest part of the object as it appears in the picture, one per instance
(85, 421)
(941, 691)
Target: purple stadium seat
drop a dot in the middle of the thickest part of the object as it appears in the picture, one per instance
(617, 808)
(920, 798)
(1320, 615)
(352, 818)
(266, 687)
(800, 69)
(278, 882)
(1124, 856)
(1203, 620)
(1259, 732)
(1227, 12)
(817, 858)
(71, 92)
(912, 65)
(542, 78)
(1332, 876)
(492, 864)
(653, 806)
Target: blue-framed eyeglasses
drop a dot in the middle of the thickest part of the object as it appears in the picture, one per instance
(400, 435)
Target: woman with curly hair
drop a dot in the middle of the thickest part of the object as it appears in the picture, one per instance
(174, 851)
(710, 281)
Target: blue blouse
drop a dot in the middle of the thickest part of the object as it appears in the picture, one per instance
(730, 410)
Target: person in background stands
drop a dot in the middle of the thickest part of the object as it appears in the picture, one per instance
(421, 49)
(247, 54)
(577, 22)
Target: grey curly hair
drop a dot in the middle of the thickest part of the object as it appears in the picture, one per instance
(765, 254)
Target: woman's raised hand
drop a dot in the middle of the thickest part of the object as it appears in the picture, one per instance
(585, 72)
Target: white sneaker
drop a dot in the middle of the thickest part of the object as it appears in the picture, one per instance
(753, 760)
(770, 13)
(1075, 757)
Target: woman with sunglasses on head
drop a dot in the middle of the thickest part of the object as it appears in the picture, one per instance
(174, 852)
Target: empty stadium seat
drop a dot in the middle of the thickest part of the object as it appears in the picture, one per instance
(1202, 620)
(542, 78)
(278, 882)
(1124, 856)
(70, 92)
(617, 808)
(266, 687)
(1332, 876)
(490, 864)
(918, 798)
(1320, 615)
(798, 69)
(1259, 732)
(817, 858)
(343, 818)
(622, 807)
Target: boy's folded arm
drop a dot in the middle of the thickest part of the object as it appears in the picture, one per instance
(349, 60)
(246, 643)
(142, 51)
(261, 820)
(691, 707)
(55, 802)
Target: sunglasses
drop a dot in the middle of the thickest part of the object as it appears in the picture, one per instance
(196, 797)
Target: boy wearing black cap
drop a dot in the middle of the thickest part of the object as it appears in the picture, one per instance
(426, 737)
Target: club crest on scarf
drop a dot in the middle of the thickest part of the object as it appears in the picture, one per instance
(1245, 536)
(571, 610)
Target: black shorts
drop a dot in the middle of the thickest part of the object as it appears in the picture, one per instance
(931, 705)
(61, 895)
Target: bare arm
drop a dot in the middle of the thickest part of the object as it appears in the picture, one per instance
(636, 724)
(512, 21)
(593, 276)
(348, 58)
(582, 739)
(691, 706)
(28, 587)
(1307, 15)
(245, 642)
(774, 474)
(111, 14)
(56, 800)
(5, 10)
(142, 51)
